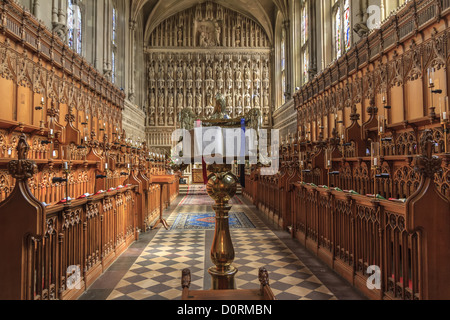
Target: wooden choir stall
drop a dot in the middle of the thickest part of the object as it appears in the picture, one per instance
(75, 192)
(364, 183)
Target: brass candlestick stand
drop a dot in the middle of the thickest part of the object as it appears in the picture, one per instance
(67, 173)
(41, 108)
(444, 116)
(375, 164)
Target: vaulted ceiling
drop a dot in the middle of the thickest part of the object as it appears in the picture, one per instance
(262, 11)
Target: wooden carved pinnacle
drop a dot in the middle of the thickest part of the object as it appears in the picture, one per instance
(427, 164)
(22, 169)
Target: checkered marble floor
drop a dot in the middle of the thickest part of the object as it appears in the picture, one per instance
(156, 274)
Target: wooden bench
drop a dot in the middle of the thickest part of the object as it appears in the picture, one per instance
(264, 293)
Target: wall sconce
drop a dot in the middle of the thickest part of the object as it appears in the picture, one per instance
(41, 108)
(432, 86)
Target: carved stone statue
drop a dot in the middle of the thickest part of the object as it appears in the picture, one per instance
(189, 100)
(209, 98)
(170, 72)
(238, 72)
(180, 99)
(161, 99)
(198, 72)
(256, 102)
(198, 98)
(247, 102)
(203, 41)
(247, 72)
(180, 36)
(209, 73)
(180, 72)
(218, 33)
(238, 37)
(189, 72)
(186, 119)
(266, 99)
(170, 100)
(152, 99)
(151, 72)
(220, 111)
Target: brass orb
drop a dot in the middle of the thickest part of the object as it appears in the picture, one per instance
(222, 187)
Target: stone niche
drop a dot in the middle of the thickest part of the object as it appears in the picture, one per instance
(200, 52)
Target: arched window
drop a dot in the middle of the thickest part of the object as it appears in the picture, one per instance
(305, 42)
(283, 65)
(347, 26)
(342, 26)
(75, 26)
(114, 44)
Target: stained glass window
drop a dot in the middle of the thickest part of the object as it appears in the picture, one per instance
(305, 65)
(114, 26)
(304, 25)
(74, 26)
(342, 26)
(304, 42)
(347, 27)
(338, 32)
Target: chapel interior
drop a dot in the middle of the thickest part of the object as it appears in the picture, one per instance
(340, 189)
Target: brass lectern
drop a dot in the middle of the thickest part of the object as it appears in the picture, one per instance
(222, 183)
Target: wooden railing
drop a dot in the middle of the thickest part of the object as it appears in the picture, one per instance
(351, 233)
(406, 241)
(56, 250)
(79, 243)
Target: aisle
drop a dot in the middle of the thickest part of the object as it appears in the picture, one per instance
(151, 269)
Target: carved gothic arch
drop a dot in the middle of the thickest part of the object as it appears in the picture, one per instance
(167, 8)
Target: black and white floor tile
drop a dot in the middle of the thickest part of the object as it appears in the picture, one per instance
(153, 272)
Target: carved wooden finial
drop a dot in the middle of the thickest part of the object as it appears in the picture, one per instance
(22, 148)
(427, 164)
(22, 169)
(186, 278)
(263, 277)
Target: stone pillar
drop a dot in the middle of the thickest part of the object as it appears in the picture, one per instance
(54, 12)
(59, 18)
(132, 53)
(97, 45)
(107, 39)
(62, 12)
(287, 27)
(312, 40)
(36, 9)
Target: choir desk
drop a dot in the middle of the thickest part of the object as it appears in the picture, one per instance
(163, 181)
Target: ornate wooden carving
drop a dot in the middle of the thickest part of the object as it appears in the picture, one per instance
(24, 217)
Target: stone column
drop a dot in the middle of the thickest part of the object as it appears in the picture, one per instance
(97, 45)
(107, 39)
(36, 9)
(54, 12)
(287, 27)
(312, 40)
(132, 54)
(62, 10)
